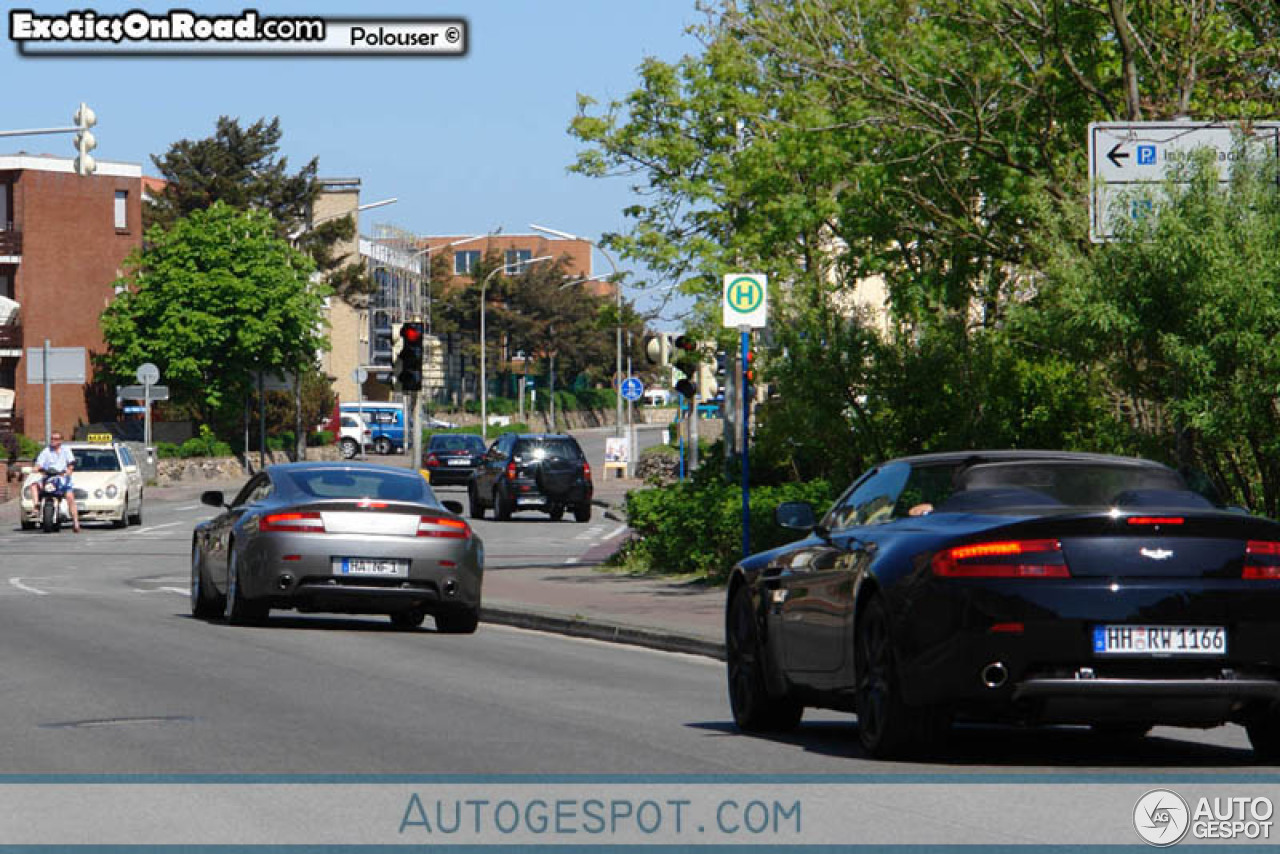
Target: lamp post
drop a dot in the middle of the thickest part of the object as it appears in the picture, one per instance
(484, 387)
(617, 421)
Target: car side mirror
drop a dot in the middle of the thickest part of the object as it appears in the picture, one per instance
(796, 515)
(453, 506)
(213, 498)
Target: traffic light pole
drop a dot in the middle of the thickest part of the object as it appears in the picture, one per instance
(416, 425)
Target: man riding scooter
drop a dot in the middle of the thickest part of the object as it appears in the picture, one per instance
(57, 461)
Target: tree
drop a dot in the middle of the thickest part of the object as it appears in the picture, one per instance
(241, 167)
(209, 300)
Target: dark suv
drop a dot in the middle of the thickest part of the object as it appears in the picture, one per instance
(520, 471)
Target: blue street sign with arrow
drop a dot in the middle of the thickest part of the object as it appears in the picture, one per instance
(632, 389)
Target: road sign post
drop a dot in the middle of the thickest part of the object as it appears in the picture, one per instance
(147, 374)
(745, 306)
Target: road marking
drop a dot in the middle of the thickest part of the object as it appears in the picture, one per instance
(180, 591)
(191, 507)
(158, 527)
(17, 582)
(621, 529)
(571, 561)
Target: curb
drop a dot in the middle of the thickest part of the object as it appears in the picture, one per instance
(602, 630)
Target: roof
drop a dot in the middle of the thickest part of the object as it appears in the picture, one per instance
(1009, 455)
(54, 163)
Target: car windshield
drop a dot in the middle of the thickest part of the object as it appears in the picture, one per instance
(96, 459)
(1066, 483)
(355, 483)
(539, 449)
(457, 442)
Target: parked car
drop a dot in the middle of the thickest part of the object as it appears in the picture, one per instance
(341, 537)
(1022, 586)
(451, 458)
(108, 486)
(356, 435)
(385, 420)
(545, 472)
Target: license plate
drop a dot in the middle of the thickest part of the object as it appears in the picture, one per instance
(458, 462)
(528, 499)
(1159, 640)
(371, 566)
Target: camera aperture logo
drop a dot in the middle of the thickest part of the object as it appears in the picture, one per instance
(1161, 817)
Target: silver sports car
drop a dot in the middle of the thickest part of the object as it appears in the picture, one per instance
(339, 537)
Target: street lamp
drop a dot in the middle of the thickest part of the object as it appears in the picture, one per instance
(617, 420)
(484, 387)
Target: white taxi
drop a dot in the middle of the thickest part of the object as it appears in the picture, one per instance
(107, 481)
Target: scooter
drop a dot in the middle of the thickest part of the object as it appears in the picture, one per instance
(53, 502)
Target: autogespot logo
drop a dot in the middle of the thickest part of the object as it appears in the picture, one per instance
(1161, 817)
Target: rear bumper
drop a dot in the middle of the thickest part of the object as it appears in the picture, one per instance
(450, 475)
(1186, 702)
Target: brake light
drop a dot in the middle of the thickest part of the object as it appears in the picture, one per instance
(586, 470)
(1012, 559)
(511, 471)
(370, 504)
(1155, 520)
(439, 526)
(433, 460)
(299, 523)
(1261, 560)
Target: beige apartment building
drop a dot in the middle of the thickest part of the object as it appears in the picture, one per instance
(348, 324)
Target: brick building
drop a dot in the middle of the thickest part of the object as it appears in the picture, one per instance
(63, 241)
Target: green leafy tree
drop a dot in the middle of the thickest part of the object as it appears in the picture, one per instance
(242, 167)
(211, 299)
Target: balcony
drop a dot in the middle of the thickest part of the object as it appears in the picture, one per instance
(10, 240)
(10, 327)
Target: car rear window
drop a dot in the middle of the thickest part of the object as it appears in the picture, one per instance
(1063, 483)
(96, 459)
(351, 483)
(456, 442)
(538, 449)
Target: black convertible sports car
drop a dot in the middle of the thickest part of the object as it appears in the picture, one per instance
(1023, 586)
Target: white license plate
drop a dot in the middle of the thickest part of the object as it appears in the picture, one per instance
(371, 566)
(1159, 640)
(459, 462)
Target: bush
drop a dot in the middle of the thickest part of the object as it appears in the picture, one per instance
(167, 451)
(28, 448)
(204, 445)
(493, 406)
(320, 438)
(696, 526)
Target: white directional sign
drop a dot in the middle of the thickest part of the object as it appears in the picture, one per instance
(1127, 157)
(746, 300)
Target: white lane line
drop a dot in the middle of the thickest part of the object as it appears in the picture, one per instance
(17, 582)
(180, 591)
(158, 527)
(191, 507)
(621, 529)
(571, 561)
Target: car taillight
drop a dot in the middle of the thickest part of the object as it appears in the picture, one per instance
(433, 460)
(1155, 520)
(586, 470)
(511, 471)
(1012, 559)
(1261, 560)
(439, 526)
(305, 523)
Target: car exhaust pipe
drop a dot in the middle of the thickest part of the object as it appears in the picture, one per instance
(284, 582)
(451, 587)
(995, 674)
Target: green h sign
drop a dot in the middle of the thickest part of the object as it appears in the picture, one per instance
(746, 300)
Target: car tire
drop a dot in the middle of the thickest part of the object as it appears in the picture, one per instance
(205, 601)
(556, 512)
(754, 709)
(473, 502)
(382, 445)
(349, 448)
(501, 507)
(888, 727)
(406, 620)
(28, 526)
(582, 513)
(136, 518)
(1264, 735)
(123, 521)
(459, 621)
(237, 610)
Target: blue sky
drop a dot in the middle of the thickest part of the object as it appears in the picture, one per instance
(467, 145)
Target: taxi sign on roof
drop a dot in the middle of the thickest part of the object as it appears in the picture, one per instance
(100, 438)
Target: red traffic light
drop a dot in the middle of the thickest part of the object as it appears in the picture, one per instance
(411, 332)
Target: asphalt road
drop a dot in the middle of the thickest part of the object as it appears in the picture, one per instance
(104, 672)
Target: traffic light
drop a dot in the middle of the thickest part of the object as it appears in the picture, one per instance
(657, 349)
(409, 374)
(84, 141)
(686, 362)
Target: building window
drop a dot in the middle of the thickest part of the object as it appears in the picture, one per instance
(6, 212)
(517, 258)
(6, 283)
(122, 210)
(464, 262)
